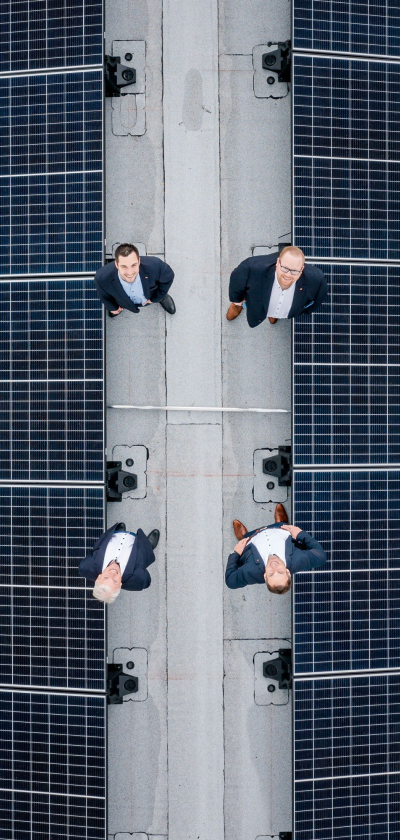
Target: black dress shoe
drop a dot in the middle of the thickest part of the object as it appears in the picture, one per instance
(168, 304)
(113, 314)
(153, 538)
(120, 526)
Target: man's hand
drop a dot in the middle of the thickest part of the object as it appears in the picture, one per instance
(117, 311)
(240, 546)
(293, 530)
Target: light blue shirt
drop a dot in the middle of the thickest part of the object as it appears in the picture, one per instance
(134, 290)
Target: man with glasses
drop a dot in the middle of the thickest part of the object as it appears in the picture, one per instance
(275, 286)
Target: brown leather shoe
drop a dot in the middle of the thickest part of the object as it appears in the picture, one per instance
(233, 311)
(272, 320)
(280, 514)
(239, 529)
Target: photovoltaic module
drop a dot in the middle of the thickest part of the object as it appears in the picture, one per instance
(346, 399)
(52, 649)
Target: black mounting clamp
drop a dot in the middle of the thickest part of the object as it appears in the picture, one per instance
(119, 684)
(118, 481)
(280, 465)
(280, 669)
(285, 835)
(117, 75)
(278, 61)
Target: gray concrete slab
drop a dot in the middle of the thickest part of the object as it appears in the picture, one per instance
(257, 751)
(136, 836)
(137, 785)
(138, 741)
(195, 633)
(255, 165)
(250, 22)
(134, 164)
(192, 230)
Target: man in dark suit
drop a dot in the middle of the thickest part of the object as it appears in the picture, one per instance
(119, 560)
(133, 283)
(275, 286)
(272, 554)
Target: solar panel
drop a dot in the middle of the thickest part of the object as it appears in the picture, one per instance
(346, 370)
(346, 158)
(52, 766)
(52, 639)
(51, 380)
(51, 173)
(346, 614)
(356, 26)
(51, 628)
(55, 33)
(346, 757)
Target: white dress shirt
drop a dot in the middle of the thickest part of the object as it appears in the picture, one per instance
(134, 290)
(119, 549)
(281, 300)
(271, 541)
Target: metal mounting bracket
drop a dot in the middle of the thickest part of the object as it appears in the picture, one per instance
(279, 61)
(280, 669)
(119, 684)
(285, 835)
(117, 75)
(118, 481)
(280, 466)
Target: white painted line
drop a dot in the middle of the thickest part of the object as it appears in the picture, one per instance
(200, 408)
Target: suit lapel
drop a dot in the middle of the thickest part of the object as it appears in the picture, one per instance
(298, 297)
(288, 548)
(143, 274)
(131, 564)
(101, 551)
(269, 282)
(118, 291)
(252, 552)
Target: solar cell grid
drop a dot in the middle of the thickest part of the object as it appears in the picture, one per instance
(358, 26)
(346, 371)
(347, 771)
(346, 157)
(51, 628)
(51, 173)
(51, 381)
(52, 766)
(56, 33)
(346, 614)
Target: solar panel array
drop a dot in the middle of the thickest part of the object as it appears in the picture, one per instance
(51, 173)
(57, 33)
(346, 485)
(346, 615)
(51, 380)
(347, 26)
(346, 370)
(347, 757)
(347, 151)
(52, 640)
(52, 758)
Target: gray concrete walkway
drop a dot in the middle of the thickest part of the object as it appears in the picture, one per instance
(193, 756)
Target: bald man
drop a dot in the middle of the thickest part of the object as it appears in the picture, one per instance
(272, 554)
(275, 286)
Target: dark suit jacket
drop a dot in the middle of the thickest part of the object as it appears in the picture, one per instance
(135, 576)
(253, 279)
(156, 277)
(301, 555)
